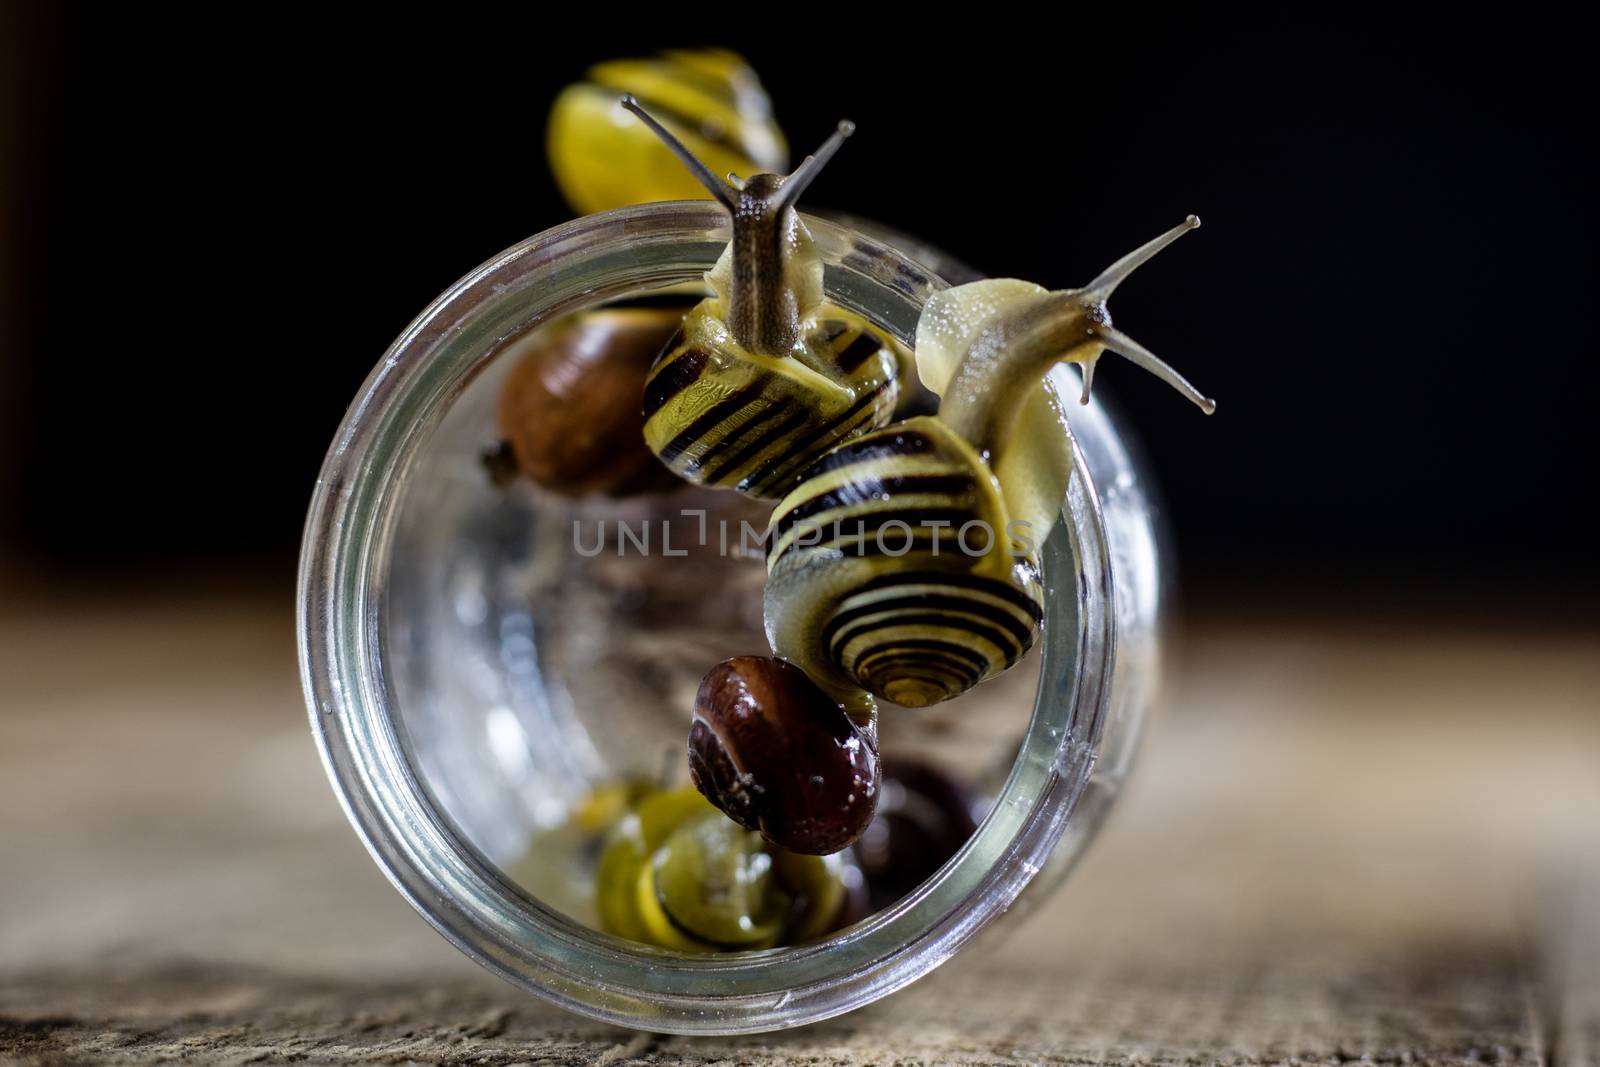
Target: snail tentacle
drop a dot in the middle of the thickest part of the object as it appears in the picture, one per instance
(770, 256)
(765, 303)
(713, 184)
(1107, 281)
(812, 165)
(1114, 340)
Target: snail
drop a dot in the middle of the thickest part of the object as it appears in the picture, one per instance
(780, 756)
(678, 874)
(924, 817)
(903, 562)
(568, 412)
(602, 161)
(764, 376)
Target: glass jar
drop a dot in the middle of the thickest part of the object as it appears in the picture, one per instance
(470, 672)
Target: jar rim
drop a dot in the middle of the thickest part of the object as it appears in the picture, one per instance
(465, 896)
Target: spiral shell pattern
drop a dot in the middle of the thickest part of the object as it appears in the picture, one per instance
(720, 416)
(891, 569)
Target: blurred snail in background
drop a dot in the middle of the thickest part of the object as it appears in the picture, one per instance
(765, 377)
(568, 412)
(603, 160)
(676, 873)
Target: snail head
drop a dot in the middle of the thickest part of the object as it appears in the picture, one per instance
(773, 274)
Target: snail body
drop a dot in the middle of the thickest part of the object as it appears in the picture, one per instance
(765, 377)
(568, 414)
(710, 96)
(919, 614)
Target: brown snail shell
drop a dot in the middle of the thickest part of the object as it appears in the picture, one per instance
(779, 755)
(569, 410)
(924, 817)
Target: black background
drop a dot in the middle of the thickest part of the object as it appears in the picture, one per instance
(218, 224)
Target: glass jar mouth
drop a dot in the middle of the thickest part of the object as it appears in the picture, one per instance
(343, 576)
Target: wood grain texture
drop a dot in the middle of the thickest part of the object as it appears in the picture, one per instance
(1448, 1009)
(1342, 846)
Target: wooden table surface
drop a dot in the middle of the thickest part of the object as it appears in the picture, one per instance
(1346, 842)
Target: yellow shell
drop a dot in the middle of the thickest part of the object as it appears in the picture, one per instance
(892, 568)
(720, 415)
(802, 899)
(603, 158)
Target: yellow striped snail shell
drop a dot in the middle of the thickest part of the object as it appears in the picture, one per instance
(765, 376)
(887, 570)
(602, 160)
(920, 614)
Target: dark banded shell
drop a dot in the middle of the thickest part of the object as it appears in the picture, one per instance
(720, 416)
(891, 568)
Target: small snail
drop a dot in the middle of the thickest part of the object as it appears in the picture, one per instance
(558, 867)
(602, 161)
(890, 567)
(678, 874)
(924, 817)
(765, 377)
(568, 413)
(778, 755)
